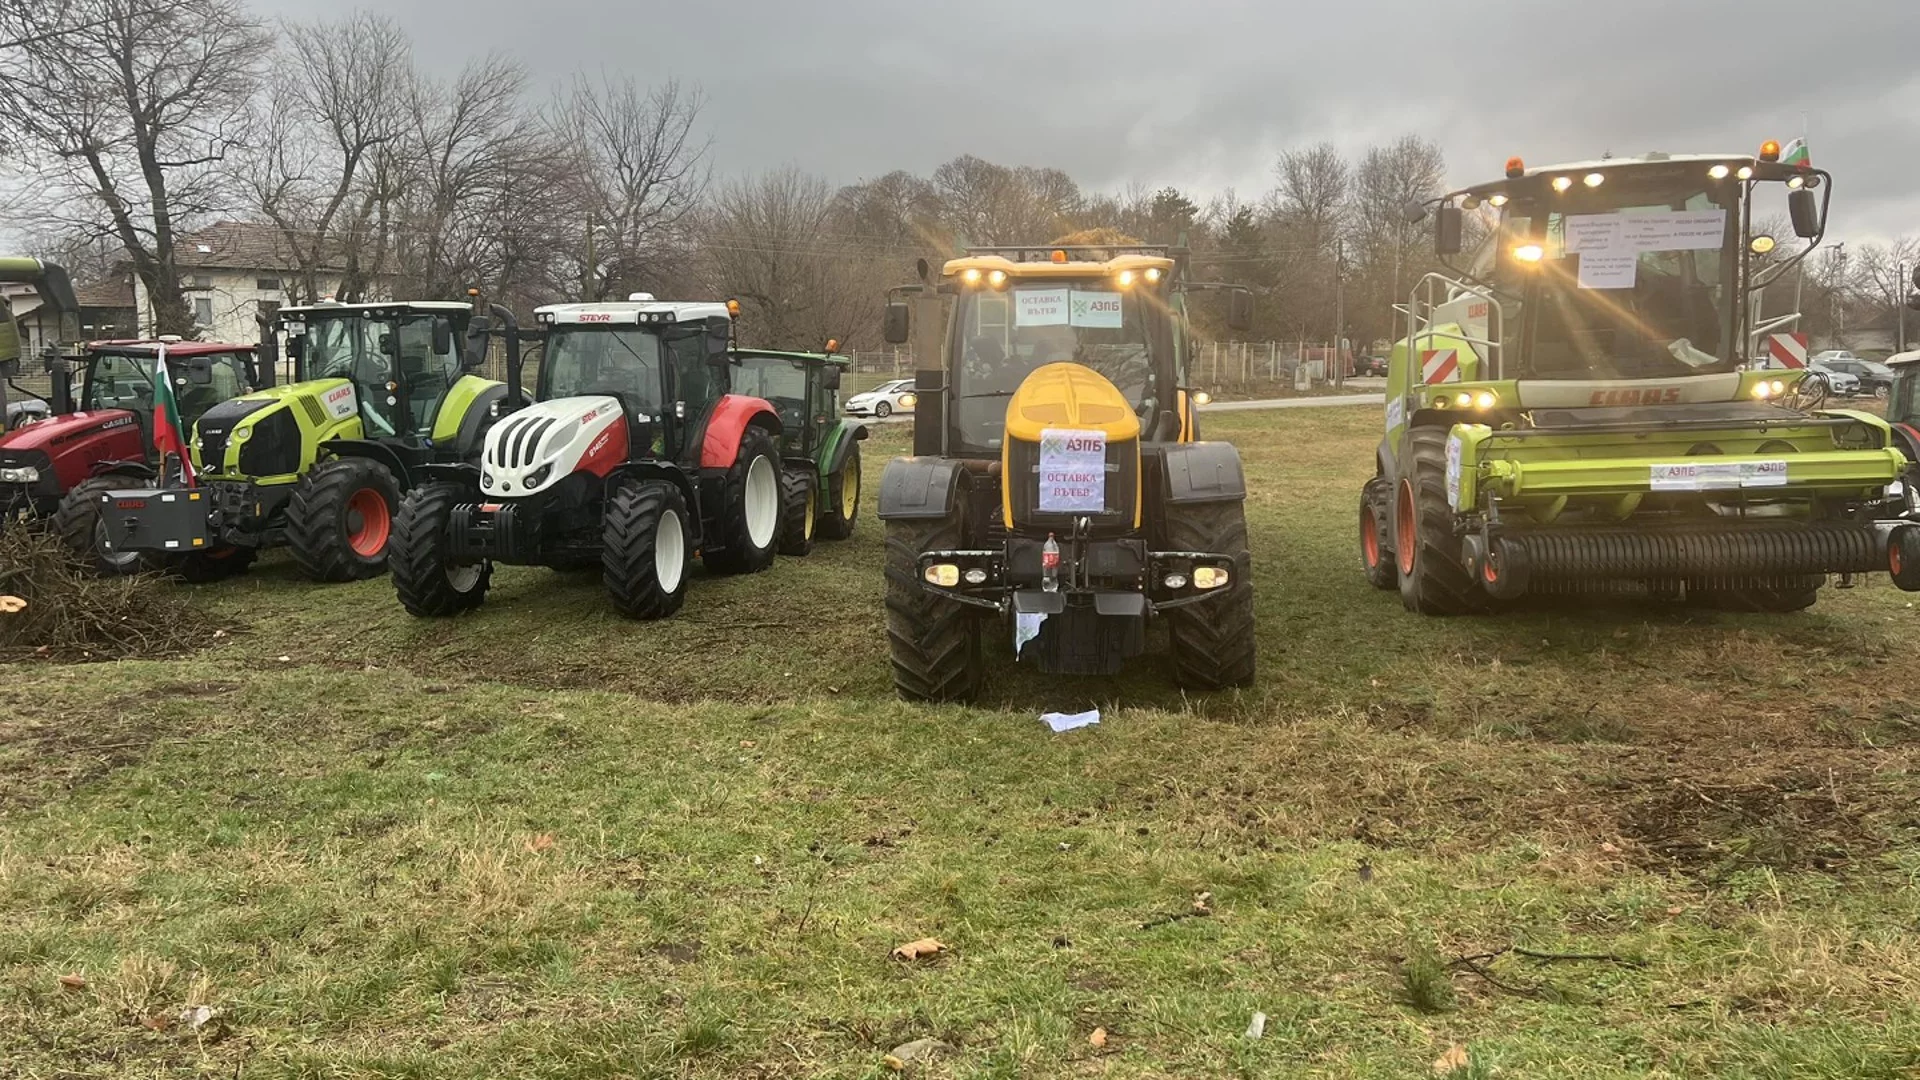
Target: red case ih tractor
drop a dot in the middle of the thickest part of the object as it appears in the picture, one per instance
(635, 457)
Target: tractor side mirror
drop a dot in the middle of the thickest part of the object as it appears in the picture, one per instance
(478, 332)
(1239, 310)
(296, 346)
(830, 377)
(896, 326)
(442, 337)
(1804, 207)
(1449, 222)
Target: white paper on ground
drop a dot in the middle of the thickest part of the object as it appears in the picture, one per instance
(1068, 721)
(1026, 627)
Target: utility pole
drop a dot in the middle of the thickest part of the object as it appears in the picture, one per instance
(1339, 311)
(1900, 309)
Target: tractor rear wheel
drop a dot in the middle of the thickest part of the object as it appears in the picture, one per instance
(340, 519)
(207, 567)
(644, 550)
(842, 507)
(1376, 552)
(799, 498)
(1213, 640)
(934, 643)
(430, 582)
(82, 530)
(1433, 577)
(749, 517)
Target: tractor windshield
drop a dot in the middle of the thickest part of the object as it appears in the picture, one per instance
(780, 382)
(1004, 336)
(382, 357)
(1627, 279)
(583, 361)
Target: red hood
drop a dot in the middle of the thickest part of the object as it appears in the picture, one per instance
(60, 429)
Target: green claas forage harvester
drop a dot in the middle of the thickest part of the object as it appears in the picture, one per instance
(821, 483)
(636, 456)
(1580, 406)
(382, 390)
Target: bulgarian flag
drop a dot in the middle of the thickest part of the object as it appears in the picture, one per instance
(1796, 155)
(167, 435)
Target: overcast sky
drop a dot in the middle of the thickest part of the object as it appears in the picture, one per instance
(1203, 94)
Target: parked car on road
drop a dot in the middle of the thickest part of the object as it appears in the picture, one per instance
(884, 400)
(1875, 378)
(1839, 383)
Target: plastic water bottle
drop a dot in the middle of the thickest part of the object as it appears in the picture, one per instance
(1050, 565)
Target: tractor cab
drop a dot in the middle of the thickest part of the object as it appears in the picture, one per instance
(1903, 401)
(403, 359)
(804, 388)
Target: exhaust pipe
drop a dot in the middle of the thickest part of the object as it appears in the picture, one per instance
(515, 399)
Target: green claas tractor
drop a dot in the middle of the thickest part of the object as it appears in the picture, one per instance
(820, 487)
(637, 455)
(382, 390)
(1058, 490)
(1582, 407)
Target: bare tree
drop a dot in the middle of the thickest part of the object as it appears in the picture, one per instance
(770, 244)
(128, 120)
(641, 171)
(336, 103)
(987, 203)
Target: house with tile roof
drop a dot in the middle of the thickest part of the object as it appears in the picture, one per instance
(234, 271)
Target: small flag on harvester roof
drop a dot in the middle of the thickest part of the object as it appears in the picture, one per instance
(167, 435)
(1796, 154)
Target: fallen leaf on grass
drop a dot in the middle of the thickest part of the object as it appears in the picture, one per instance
(748, 744)
(540, 843)
(1098, 1038)
(195, 1016)
(156, 1022)
(1452, 1061)
(893, 1063)
(73, 982)
(1609, 847)
(916, 950)
(1676, 910)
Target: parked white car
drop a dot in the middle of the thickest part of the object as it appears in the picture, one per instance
(884, 400)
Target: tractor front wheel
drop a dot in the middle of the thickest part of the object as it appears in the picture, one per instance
(798, 508)
(749, 518)
(84, 532)
(1433, 576)
(1213, 640)
(842, 508)
(644, 550)
(340, 519)
(430, 582)
(934, 643)
(1376, 553)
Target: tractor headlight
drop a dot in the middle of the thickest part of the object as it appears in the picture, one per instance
(241, 434)
(1209, 577)
(946, 575)
(976, 576)
(539, 476)
(1463, 399)
(1175, 581)
(997, 278)
(971, 275)
(1778, 387)
(25, 474)
(1485, 399)
(486, 479)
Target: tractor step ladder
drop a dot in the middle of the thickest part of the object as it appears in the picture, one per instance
(1435, 290)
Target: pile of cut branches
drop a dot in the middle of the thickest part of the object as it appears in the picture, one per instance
(50, 606)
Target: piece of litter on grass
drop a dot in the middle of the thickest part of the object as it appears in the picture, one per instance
(1257, 1026)
(915, 950)
(759, 861)
(1060, 722)
(284, 659)
(1098, 1038)
(12, 605)
(1452, 1061)
(195, 1016)
(73, 982)
(917, 1050)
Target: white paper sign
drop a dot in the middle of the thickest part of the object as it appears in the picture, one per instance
(1040, 307)
(1100, 310)
(1608, 269)
(1690, 230)
(1073, 471)
(1592, 232)
(1718, 475)
(1396, 413)
(1453, 471)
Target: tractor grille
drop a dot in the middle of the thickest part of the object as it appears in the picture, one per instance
(518, 441)
(316, 412)
(274, 448)
(1723, 552)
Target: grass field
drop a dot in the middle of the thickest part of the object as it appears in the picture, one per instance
(1580, 841)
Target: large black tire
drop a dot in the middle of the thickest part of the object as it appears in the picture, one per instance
(77, 523)
(799, 496)
(934, 643)
(1376, 550)
(207, 567)
(429, 582)
(840, 510)
(644, 549)
(748, 525)
(340, 519)
(1433, 577)
(1213, 640)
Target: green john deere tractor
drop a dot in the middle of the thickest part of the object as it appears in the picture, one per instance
(319, 465)
(1584, 406)
(820, 488)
